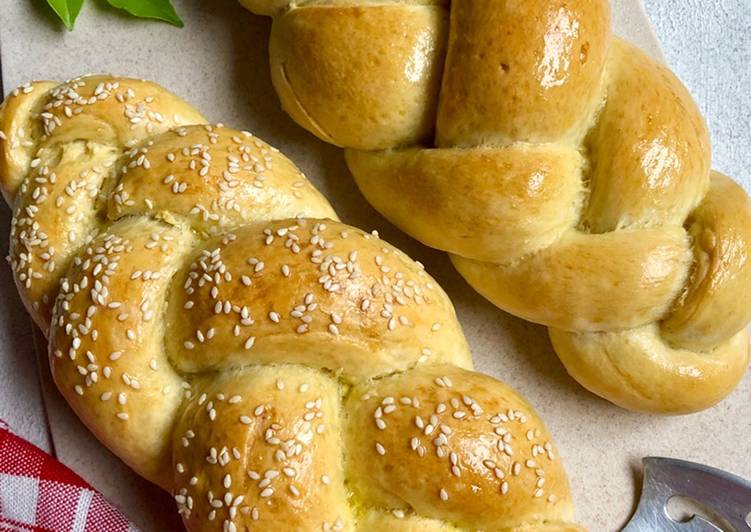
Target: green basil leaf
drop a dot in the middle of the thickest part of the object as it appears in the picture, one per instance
(67, 10)
(157, 9)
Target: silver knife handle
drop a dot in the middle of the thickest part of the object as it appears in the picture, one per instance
(727, 495)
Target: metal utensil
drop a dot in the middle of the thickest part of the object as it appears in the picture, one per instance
(726, 498)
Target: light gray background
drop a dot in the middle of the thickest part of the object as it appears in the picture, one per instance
(219, 63)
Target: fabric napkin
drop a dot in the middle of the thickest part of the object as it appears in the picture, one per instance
(38, 493)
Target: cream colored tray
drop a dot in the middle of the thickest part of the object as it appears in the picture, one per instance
(219, 63)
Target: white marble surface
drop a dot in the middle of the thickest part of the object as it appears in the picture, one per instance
(219, 63)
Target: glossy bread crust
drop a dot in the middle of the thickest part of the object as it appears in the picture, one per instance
(212, 322)
(568, 174)
(373, 114)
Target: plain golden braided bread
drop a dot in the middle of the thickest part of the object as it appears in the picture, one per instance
(213, 324)
(567, 173)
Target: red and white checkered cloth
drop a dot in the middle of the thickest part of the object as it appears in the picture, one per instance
(38, 493)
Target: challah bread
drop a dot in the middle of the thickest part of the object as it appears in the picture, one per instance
(217, 328)
(566, 172)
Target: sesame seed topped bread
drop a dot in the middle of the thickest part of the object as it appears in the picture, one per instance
(212, 322)
(566, 172)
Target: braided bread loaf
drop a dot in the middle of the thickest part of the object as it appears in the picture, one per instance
(213, 324)
(565, 171)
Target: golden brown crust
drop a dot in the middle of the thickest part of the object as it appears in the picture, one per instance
(714, 307)
(265, 440)
(208, 317)
(106, 342)
(650, 262)
(112, 110)
(55, 212)
(525, 71)
(19, 131)
(569, 177)
(485, 459)
(481, 192)
(65, 139)
(311, 292)
(349, 98)
(216, 178)
(649, 168)
(638, 370)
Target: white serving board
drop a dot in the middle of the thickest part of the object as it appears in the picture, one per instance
(219, 62)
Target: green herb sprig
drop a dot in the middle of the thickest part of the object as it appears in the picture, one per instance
(68, 10)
